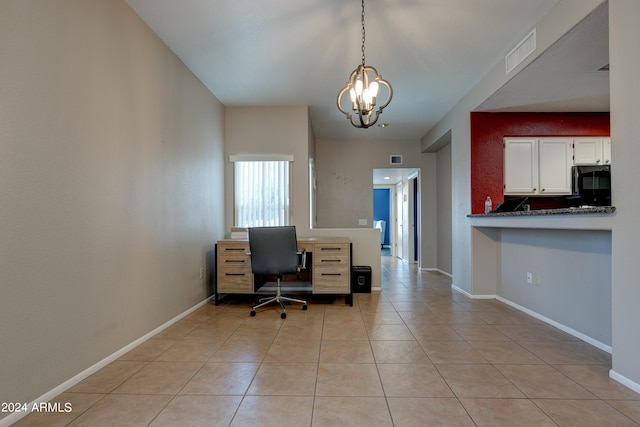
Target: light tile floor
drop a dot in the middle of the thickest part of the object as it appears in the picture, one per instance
(415, 354)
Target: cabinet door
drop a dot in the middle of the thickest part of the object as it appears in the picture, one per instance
(554, 155)
(587, 151)
(606, 151)
(520, 166)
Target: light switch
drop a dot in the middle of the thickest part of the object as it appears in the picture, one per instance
(362, 221)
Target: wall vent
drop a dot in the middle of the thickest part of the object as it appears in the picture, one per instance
(395, 159)
(520, 52)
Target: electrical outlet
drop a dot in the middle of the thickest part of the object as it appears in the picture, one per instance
(536, 279)
(529, 278)
(202, 273)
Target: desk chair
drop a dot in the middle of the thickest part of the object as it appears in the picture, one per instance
(274, 251)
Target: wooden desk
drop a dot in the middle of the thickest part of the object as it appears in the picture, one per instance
(330, 266)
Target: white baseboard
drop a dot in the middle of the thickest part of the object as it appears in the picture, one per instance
(437, 270)
(472, 296)
(7, 421)
(573, 332)
(624, 381)
(579, 335)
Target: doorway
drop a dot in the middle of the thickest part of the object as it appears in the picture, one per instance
(397, 202)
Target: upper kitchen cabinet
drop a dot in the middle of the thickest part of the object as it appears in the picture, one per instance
(520, 166)
(592, 151)
(537, 166)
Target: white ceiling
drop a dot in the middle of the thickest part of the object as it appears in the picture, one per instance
(275, 52)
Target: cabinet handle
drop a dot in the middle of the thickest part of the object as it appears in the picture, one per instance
(331, 274)
(330, 260)
(234, 274)
(234, 249)
(331, 249)
(236, 261)
(542, 189)
(534, 189)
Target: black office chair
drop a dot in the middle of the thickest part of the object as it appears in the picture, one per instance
(274, 251)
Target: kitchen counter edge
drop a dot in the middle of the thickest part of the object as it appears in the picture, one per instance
(541, 212)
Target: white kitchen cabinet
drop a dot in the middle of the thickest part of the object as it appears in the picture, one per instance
(554, 163)
(520, 166)
(537, 166)
(592, 151)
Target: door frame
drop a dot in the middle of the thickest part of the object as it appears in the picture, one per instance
(410, 179)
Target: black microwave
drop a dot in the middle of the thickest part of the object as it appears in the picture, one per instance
(592, 184)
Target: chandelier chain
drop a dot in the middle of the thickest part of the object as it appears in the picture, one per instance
(363, 32)
(362, 91)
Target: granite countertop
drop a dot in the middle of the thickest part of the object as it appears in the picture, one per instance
(562, 211)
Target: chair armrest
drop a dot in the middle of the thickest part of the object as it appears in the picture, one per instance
(303, 258)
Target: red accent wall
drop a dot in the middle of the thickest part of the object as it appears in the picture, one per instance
(487, 132)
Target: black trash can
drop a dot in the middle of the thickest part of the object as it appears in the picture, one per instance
(361, 279)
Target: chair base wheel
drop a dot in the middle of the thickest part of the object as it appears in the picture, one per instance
(283, 315)
(253, 313)
(304, 307)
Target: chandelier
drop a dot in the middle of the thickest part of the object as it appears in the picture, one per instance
(362, 86)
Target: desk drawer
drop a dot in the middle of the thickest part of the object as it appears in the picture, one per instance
(325, 249)
(235, 280)
(331, 261)
(327, 255)
(233, 248)
(233, 260)
(331, 280)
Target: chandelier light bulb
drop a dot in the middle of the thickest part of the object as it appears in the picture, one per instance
(359, 87)
(373, 88)
(366, 97)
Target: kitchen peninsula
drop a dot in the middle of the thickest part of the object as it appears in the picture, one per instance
(554, 264)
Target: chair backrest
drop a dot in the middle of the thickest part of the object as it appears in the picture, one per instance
(274, 250)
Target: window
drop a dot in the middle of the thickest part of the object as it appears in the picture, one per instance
(261, 195)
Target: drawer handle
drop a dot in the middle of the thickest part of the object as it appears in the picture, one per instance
(330, 260)
(234, 274)
(331, 249)
(331, 274)
(234, 249)
(234, 261)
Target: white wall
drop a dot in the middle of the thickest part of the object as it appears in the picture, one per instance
(443, 203)
(270, 130)
(571, 272)
(625, 110)
(345, 177)
(345, 185)
(110, 187)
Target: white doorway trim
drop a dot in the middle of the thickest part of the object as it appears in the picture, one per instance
(408, 178)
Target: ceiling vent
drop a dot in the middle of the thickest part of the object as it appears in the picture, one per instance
(520, 52)
(395, 159)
